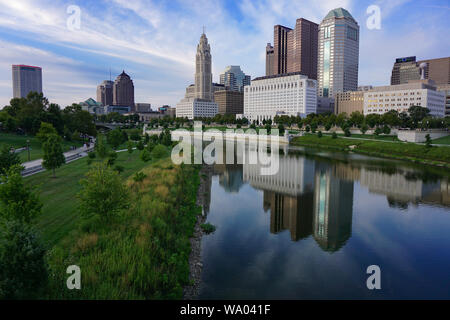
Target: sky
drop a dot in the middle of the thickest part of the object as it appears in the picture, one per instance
(155, 41)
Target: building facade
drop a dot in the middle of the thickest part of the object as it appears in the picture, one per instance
(196, 108)
(26, 79)
(408, 69)
(294, 50)
(349, 102)
(338, 56)
(287, 94)
(229, 102)
(233, 78)
(400, 97)
(123, 91)
(445, 89)
(105, 92)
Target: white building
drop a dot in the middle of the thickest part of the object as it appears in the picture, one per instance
(400, 97)
(338, 53)
(290, 94)
(195, 108)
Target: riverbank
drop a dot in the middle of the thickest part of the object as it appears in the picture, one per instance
(418, 153)
(192, 290)
(144, 252)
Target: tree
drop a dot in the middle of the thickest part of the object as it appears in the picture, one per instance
(145, 155)
(428, 140)
(319, 134)
(364, 128)
(103, 194)
(386, 129)
(45, 130)
(115, 138)
(334, 135)
(281, 129)
(130, 148)
(23, 270)
(159, 151)
(8, 158)
(53, 154)
(356, 118)
(417, 113)
(18, 201)
(100, 146)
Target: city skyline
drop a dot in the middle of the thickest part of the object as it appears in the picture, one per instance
(75, 62)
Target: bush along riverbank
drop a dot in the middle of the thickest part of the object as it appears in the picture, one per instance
(141, 253)
(419, 153)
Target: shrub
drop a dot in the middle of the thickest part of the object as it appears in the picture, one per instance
(334, 135)
(91, 155)
(23, 270)
(319, 134)
(208, 228)
(347, 132)
(159, 151)
(119, 169)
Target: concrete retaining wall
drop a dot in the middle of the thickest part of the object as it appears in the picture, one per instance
(419, 136)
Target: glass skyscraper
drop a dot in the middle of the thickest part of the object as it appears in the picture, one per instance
(338, 53)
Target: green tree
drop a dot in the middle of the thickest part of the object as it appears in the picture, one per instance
(100, 146)
(23, 270)
(417, 113)
(130, 146)
(364, 128)
(281, 129)
(115, 138)
(428, 140)
(45, 130)
(334, 135)
(145, 155)
(159, 151)
(18, 201)
(103, 194)
(53, 153)
(319, 134)
(8, 158)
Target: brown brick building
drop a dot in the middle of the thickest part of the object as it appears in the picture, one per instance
(349, 102)
(229, 102)
(294, 50)
(408, 69)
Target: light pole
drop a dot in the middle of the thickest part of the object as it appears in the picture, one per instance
(28, 149)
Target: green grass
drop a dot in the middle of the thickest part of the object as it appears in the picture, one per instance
(60, 212)
(406, 151)
(443, 140)
(142, 253)
(20, 141)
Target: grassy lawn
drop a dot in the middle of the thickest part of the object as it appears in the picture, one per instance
(443, 140)
(405, 151)
(60, 213)
(365, 136)
(20, 141)
(143, 253)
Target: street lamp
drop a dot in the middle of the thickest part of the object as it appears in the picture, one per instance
(28, 149)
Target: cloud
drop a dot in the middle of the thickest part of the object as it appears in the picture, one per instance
(155, 41)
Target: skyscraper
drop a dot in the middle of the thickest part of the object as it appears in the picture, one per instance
(199, 98)
(105, 92)
(294, 50)
(338, 53)
(123, 91)
(302, 48)
(25, 80)
(234, 79)
(203, 75)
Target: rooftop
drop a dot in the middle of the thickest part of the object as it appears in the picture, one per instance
(338, 13)
(279, 76)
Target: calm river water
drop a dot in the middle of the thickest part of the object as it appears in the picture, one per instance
(311, 230)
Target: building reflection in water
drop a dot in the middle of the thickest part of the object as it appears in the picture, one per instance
(309, 197)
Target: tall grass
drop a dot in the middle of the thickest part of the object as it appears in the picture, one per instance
(143, 253)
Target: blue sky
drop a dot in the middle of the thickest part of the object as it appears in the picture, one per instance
(155, 41)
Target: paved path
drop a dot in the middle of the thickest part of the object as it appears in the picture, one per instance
(35, 166)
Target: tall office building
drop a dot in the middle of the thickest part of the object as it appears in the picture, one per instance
(338, 53)
(294, 50)
(199, 98)
(105, 93)
(203, 75)
(25, 80)
(234, 79)
(123, 91)
(408, 69)
(302, 48)
(269, 60)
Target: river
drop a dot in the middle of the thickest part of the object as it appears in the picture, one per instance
(311, 230)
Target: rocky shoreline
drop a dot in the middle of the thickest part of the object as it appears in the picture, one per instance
(191, 291)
